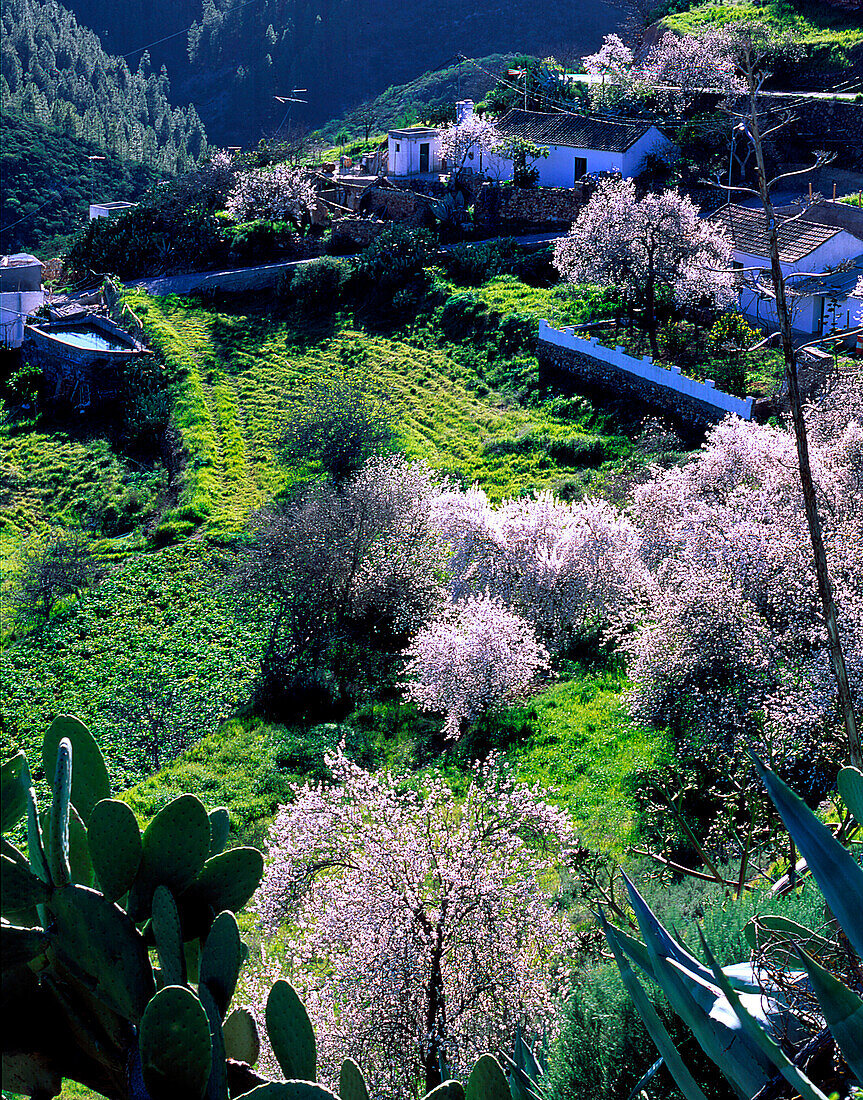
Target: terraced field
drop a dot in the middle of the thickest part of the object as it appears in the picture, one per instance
(243, 376)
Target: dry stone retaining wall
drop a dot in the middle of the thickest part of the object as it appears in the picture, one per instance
(700, 403)
(496, 205)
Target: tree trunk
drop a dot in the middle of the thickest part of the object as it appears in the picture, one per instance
(825, 586)
(650, 316)
(434, 1019)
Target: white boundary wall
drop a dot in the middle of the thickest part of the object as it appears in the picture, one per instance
(15, 307)
(668, 377)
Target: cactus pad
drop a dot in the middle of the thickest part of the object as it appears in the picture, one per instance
(227, 881)
(290, 1090)
(19, 887)
(14, 782)
(487, 1080)
(447, 1090)
(96, 938)
(241, 1037)
(80, 865)
(221, 960)
(58, 831)
(290, 1032)
(19, 946)
(220, 828)
(352, 1085)
(175, 846)
(115, 846)
(174, 1041)
(168, 936)
(90, 781)
(217, 1086)
(850, 784)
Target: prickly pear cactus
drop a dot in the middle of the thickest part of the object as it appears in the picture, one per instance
(175, 1047)
(241, 1037)
(290, 1032)
(115, 847)
(487, 1080)
(352, 1085)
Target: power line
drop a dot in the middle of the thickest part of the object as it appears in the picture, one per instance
(176, 34)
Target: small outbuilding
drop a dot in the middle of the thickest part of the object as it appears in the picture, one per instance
(20, 295)
(109, 209)
(414, 152)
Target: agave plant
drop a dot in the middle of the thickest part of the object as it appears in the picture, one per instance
(740, 1014)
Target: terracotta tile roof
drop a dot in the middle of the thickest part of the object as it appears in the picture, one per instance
(748, 230)
(574, 131)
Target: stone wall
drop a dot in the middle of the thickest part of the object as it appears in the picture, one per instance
(355, 233)
(698, 403)
(525, 206)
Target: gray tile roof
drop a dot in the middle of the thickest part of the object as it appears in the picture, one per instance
(748, 230)
(574, 131)
(838, 284)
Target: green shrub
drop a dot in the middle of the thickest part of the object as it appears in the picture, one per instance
(316, 287)
(464, 315)
(259, 241)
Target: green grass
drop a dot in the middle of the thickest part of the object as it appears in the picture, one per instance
(582, 749)
(810, 22)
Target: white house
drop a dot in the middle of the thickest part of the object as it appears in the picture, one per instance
(414, 151)
(20, 295)
(578, 145)
(824, 262)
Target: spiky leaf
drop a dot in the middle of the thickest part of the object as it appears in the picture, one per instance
(14, 782)
(290, 1032)
(850, 785)
(97, 941)
(174, 849)
(90, 781)
(115, 846)
(843, 1012)
(289, 1090)
(487, 1080)
(19, 887)
(228, 880)
(757, 1033)
(352, 1084)
(769, 928)
(175, 1047)
(241, 1038)
(650, 1018)
(221, 960)
(220, 829)
(168, 936)
(19, 946)
(840, 878)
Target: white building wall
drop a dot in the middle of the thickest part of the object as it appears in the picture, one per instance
(806, 312)
(405, 161)
(15, 307)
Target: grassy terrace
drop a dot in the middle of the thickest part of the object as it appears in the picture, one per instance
(813, 24)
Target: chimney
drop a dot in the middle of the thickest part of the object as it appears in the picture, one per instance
(463, 111)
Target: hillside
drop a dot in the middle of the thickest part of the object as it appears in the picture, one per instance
(242, 54)
(55, 71)
(46, 186)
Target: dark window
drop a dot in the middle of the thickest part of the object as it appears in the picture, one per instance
(580, 167)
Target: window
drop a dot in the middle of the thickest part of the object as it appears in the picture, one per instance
(398, 147)
(580, 168)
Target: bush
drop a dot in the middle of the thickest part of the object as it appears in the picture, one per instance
(391, 261)
(316, 287)
(464, 315)
(258, 241)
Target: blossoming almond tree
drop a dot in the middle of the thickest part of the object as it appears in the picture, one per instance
(279, 193)
(475, 656)
(472, 139)
(643, 246)
(419, 925)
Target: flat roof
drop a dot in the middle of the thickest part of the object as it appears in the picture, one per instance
(419, 131)
(20, 259)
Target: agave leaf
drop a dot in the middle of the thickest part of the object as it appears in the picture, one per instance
(650, 1018)
(756, 1032)
(840, 878)
(782, 928)
(843, 1012)
(850, 784)
(703, 1009)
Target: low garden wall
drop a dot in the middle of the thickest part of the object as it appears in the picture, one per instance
(495, 205)
(612, 368)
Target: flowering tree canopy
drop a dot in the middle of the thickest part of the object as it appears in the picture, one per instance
(477, 655)
(644, 245)
(279, 193)
(469, 140)
(421, 929)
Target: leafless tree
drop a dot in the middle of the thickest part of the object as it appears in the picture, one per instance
(149, 709)
(61, 566)
(366, 116)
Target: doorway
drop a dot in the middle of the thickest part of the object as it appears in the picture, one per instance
(424, 156)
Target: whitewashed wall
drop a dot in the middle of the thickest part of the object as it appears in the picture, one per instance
(668, 377)
(15, 306)
(406, 161)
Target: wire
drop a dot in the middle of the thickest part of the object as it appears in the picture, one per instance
(176, 34)
(52, 198)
